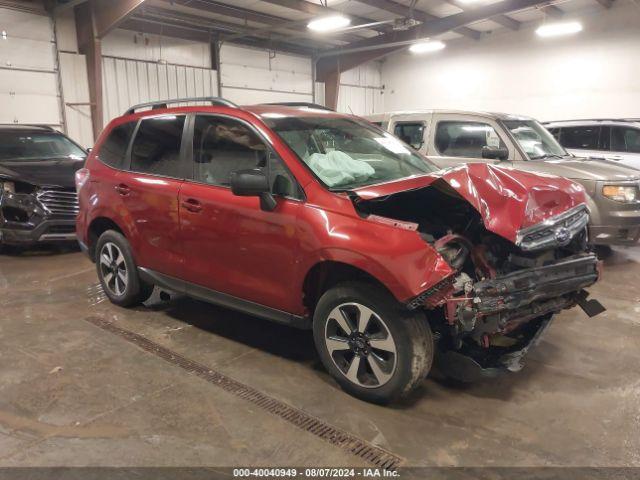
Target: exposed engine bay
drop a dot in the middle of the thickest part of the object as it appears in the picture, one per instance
(502, 295)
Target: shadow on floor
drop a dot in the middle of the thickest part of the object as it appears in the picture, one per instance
(40, 250)
(281, 340)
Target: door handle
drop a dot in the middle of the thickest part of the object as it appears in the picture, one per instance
(123, 189)
(192, 205)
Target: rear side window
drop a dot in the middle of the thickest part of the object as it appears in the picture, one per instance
(156, 148)
(466, 139)
(114, 148)
(585, 138)
(411, 133)
(625, 139)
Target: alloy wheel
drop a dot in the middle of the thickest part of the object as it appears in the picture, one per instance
(360, 345)
(113, 269)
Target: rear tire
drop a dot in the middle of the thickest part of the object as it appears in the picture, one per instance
(118, 272)
(374, 347)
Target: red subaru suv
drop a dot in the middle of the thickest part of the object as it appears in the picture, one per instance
(320, 220)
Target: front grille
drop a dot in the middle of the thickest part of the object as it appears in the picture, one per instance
(62, 203)
(554, 232)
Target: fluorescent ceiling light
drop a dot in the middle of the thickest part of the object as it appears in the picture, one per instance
(556, 29)
(329, 24)
(424, 47)
(467, 2)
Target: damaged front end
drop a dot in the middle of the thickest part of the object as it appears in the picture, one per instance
(31, 214)
(503, 292)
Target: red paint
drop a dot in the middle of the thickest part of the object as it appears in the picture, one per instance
(206, 235)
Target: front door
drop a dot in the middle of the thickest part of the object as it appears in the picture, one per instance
(458, 139)
(231, 245)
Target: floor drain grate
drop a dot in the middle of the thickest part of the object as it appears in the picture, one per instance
(346, 441)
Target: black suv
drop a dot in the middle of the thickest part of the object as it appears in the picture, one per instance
(38, 200)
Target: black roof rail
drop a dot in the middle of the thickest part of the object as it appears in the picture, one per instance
(28, 125)
(219, 101)
(301, 104)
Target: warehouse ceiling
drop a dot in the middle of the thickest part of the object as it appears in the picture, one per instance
(282, 24)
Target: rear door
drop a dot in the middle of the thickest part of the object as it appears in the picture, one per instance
(583, 140)
(231, 245)
(149, 192)
(625, 145)
(456, 139)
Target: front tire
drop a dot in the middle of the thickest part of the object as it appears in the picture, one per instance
(118, 272)
(374, 347)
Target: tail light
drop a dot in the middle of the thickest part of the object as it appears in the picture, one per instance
(82, 176)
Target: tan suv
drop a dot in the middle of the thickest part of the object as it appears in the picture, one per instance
(451, 138)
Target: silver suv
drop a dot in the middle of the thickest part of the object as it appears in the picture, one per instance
(451, 138)
(616, 140)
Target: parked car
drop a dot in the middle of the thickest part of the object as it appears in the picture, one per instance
(38, 201)
(320, 220)
(451, 138)
(615, 140)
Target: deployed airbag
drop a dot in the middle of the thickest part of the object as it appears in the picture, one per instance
(337, 168)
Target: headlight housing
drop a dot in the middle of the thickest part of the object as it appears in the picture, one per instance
(621, 193)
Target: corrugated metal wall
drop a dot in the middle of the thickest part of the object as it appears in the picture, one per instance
(128, 82)
(361, 91)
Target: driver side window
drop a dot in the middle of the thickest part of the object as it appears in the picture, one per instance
(411, 133)
(222, 146)
(465, 139)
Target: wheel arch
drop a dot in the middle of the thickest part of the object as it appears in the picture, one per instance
(97, 227)
(325, 274)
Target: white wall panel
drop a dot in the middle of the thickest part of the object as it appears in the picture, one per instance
(588, 75)
(28, 75)
(361, 91)
(73, 69)
(257, 76)
(128, 82)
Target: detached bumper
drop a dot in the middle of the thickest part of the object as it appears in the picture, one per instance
(46, 231)
(467, 369)
(505, 317)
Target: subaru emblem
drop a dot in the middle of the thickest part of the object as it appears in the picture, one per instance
(562, 235)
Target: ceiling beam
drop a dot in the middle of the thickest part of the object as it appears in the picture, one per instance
(277, 23)
(108, 14)
(553, 11)
(605, 3)
(503, 20)
(345, 58)
(225, 29)
(313, 9)
(201, 34)
(404, 11)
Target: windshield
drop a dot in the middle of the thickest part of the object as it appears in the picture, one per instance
(347, 154)
(26, 146)
(535, 140)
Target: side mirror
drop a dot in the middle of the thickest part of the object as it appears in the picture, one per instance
(253, 183)
(493, 153)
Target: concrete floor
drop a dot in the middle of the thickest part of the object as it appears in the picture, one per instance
(73, 394)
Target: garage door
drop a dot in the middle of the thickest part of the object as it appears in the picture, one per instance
(28, 76)
(258, 76)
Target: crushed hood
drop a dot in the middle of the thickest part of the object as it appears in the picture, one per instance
(507, 199)
(42, 173)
